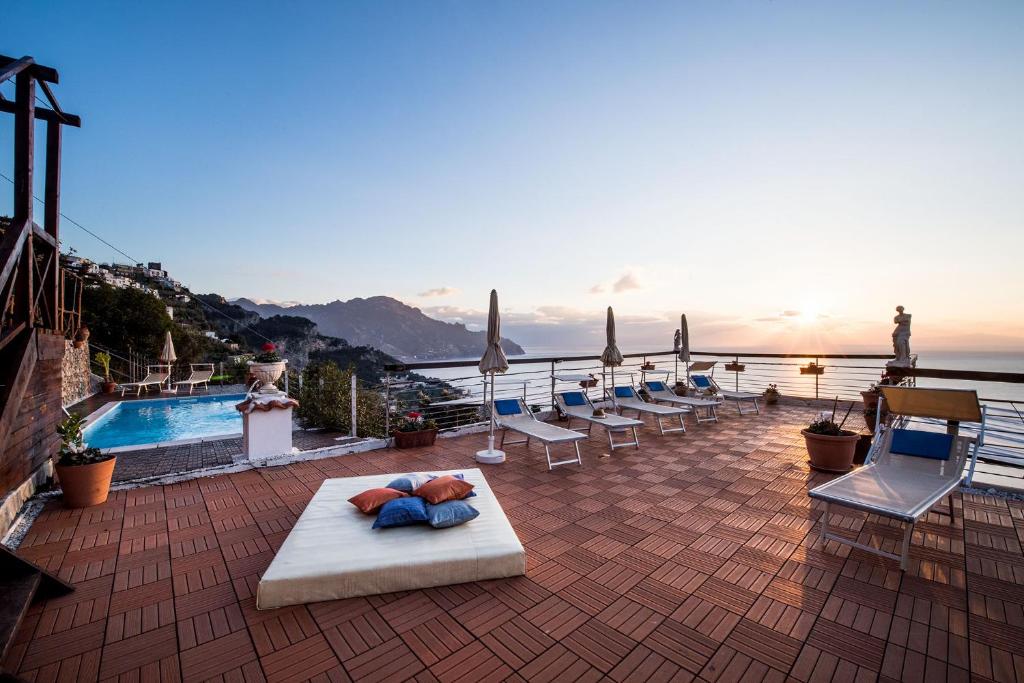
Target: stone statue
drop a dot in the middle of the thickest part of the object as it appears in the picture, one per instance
(678, 341)
(901, 339)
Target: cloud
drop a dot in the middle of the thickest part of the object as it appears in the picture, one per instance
(627, 282)
(439, 291)
(597, 289)
(790, 314)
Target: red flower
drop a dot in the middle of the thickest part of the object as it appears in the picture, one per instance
(269, 346)
(414, 415)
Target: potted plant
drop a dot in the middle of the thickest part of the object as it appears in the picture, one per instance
(109, 386)
(84, 472)
(81, 336)
(647, 366)
(830, 447)
(771, 395)
(267, 367)
(871, 397)
(414, 432)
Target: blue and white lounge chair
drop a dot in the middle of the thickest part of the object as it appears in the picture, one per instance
(511, 414)
(705, 382)
(627, 399)
(576, 405)
(908, 470)
(703, 409)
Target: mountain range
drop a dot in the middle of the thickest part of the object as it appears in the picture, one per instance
(389, 325)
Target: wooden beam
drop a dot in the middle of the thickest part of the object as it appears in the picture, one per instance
(12, 335)
(44, 114)
(24, 145)
(41, 234)
(15, 67)
(10, 251)
(43, 73)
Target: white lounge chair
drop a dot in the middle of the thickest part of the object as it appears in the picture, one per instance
(197, 377)
(512, 414)
(908, 470)
(152, 379)
(576, 405)
(703, 409)
(627, 399)
(705, 382)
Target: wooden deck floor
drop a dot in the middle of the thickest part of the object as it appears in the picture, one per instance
(694, 557)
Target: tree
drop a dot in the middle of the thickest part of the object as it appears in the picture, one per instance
(124, 319)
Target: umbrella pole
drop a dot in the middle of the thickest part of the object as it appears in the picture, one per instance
(615, 404)
(490, 456)
(490, 437)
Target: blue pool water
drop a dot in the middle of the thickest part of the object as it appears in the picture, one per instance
(132, 423)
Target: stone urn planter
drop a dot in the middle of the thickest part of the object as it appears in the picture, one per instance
(86, 485)
(81, 337)
(267, 374)
(831, 453)
(418, 439)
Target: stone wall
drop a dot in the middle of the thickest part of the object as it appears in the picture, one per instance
(76, 379)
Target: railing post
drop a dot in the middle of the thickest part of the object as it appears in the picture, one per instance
(737, 373)
(352, 430)
(816, 376)
(387, 403)
(552, 385)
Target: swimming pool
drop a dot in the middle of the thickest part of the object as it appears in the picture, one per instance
(153, 421)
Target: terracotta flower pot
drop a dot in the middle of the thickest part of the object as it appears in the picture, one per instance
(870, 399)
(424, 437)
(771, 397)
(831, 453)
(109, 387)
(85, 485)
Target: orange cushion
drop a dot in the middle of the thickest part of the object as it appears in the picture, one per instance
(444, 488)
(370, 501)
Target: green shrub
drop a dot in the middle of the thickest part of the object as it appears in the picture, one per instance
(325, 401)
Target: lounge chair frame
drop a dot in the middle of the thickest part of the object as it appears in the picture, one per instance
(205, 375)
(151, 379)
(659, 413)
(727, 394)
(622, 424)
(693, 404)
(963, 454)
(522, 425)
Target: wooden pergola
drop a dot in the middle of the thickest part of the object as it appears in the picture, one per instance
(29, 254)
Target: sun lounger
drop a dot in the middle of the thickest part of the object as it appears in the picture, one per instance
(513, 415)
(703, 409)
(576, 405)
(152, 379)
(705, 382)
(197, 377)
(909, 470)
(627, 399)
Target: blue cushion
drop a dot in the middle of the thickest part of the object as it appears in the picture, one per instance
(623, 392)
(574, 398)
(921, 444)
(450, 513)
(656, 386)
(457, 475)
(402, 512)
(507, 406)
(408, 483)
(700, 381)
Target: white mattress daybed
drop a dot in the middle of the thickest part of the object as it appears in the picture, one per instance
(332, 552)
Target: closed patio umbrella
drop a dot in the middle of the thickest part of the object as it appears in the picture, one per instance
(492, 362)
(611, 356)
(168, 357)
(684, 347)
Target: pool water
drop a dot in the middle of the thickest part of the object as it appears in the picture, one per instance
(133, 423)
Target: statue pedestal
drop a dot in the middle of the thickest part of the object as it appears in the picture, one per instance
(266, 425)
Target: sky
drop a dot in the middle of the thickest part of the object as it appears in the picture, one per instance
(784, 172)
